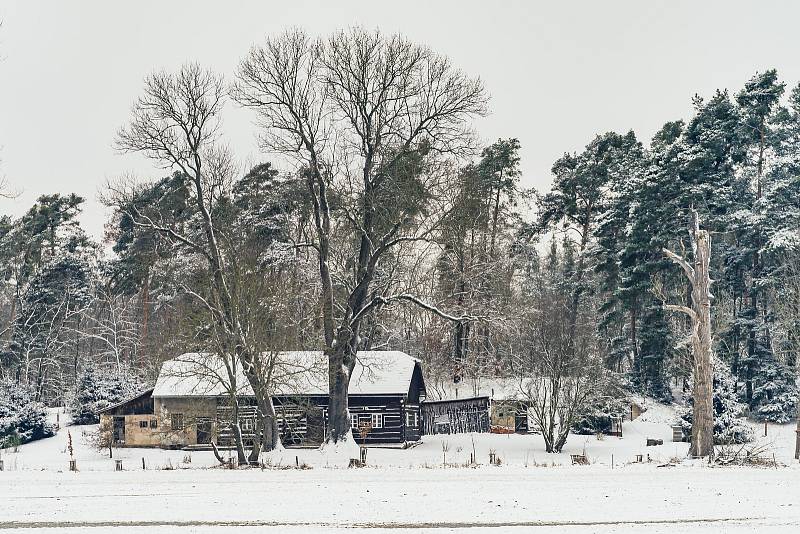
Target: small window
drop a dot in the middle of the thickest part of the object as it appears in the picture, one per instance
(354, 421)
(412, 419)
(143, 424)
(376, 420)
(247, 424)
(176, 421)
(154, 423)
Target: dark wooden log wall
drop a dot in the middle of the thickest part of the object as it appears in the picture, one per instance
(295, 412)
(301, 419)
(464, 415)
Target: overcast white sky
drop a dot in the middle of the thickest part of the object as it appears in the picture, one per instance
(558, 72)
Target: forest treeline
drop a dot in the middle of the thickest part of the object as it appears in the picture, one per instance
(387, 225)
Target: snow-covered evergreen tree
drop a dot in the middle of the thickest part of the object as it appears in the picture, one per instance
(98, 388)
(22, 418)
(597, 417)
(774, 393)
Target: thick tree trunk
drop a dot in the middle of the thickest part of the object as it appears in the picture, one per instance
(580, 269)
(241, 456)
(702, 440)
(338, 413)
(11, 318)
(460, 329)
(548, 441)
(756, 273)
(268, 437)
(702, 443)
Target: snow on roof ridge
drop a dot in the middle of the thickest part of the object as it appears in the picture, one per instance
(204, 374)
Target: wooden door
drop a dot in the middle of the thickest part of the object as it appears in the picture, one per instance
(119, 429)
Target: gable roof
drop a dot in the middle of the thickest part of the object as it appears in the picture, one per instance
(111, 407)
(296, 373)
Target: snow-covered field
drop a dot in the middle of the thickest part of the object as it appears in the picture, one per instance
(406, 490)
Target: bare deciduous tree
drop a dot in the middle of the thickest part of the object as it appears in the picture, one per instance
(560, 372)
(176, 124)
(366, 117)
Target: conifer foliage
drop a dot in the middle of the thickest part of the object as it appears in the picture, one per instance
(22, 418)
(99, 387)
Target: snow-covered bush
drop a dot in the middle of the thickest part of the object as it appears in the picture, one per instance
(597, 417)
(99, 388)
(22, 419)
(774, 393)
(729, 426)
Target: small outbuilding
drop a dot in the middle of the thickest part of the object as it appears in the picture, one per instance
(507, 407)
(130, 422)
(456, 416)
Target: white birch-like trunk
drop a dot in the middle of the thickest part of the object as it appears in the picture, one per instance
(702, 440)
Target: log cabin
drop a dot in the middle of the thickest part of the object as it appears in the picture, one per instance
(191, 403)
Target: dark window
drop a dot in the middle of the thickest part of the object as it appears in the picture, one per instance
(176, 420)
(153, 423)
(142, 424)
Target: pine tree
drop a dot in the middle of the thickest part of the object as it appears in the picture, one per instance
(98, 388)
(775, 394)
(22, 418)
(760, 112)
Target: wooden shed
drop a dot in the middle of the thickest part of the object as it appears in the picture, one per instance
(508, 405)
(455, 416)
(131, 422)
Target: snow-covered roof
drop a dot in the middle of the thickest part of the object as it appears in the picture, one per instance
(296, 373)
(497, 389)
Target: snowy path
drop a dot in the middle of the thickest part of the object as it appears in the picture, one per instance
(579, 500)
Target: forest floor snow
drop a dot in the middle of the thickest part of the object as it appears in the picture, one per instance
(424, 488)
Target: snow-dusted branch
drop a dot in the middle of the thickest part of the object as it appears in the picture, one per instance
(688, 269)
(381, 300)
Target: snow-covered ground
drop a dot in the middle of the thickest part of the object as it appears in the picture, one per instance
(406, 490)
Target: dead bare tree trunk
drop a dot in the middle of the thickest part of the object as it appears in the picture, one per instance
(702, 441)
